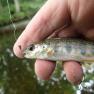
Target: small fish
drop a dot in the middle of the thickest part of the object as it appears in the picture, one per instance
(61, 49)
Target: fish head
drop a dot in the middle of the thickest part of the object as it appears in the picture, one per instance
(41, 51)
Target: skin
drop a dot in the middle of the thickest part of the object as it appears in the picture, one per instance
(57, 18)
(74, 74)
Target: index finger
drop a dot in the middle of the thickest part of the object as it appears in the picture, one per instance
(50, 17)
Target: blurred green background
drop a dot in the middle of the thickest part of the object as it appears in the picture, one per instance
(17, 75)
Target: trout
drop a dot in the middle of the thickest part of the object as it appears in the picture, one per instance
(61, 49)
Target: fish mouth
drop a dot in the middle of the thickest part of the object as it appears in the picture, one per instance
(25, 53)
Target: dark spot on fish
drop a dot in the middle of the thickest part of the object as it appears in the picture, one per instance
(83, 52)
(68, 48)
(43, 46)
(92, 50)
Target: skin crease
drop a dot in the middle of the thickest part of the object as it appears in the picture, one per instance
(58, 18)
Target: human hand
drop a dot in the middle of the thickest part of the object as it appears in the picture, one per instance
(58, 18)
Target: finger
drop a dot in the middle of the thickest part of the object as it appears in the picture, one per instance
(44, 69)
(49, 18)
(66, 32)
(74, 72)
(56, 32)
(89, 34)
(69, 32)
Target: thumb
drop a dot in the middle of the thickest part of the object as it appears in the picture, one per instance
(49, 18)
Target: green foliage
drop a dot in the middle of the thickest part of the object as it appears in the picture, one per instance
(28, 9)
(5, 17)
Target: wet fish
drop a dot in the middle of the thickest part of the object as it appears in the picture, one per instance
(61, 49)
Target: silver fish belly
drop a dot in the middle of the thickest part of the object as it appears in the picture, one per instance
(58, 49)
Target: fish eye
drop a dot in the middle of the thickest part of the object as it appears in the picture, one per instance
(44, 46)
(32, 47)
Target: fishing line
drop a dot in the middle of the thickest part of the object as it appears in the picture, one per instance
(10, 16)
